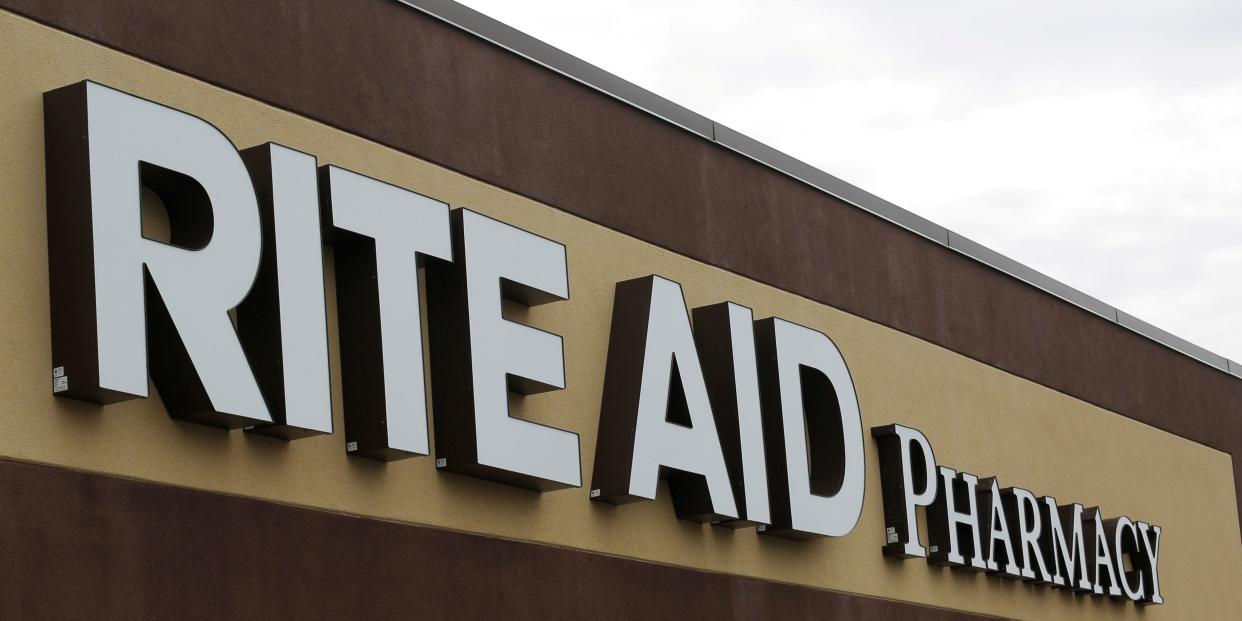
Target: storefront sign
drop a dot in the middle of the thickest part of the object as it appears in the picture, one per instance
(750, 423)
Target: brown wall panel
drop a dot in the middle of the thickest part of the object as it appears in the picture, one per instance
(389, 73)
(86, 546)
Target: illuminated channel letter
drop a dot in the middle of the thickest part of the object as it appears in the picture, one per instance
(1068, 557)
(480, 357)
(380, 234)
(908, 479)
(974, 524)
(953, 522)
(812, 432)
(1149, 562)
(725, 337)
(1126, 545)
(282, 322)
(119, 299)
(1023, 514)
(1103, 572)
(997, 542)
(656, 420)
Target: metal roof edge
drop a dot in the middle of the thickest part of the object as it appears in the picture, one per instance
(555, 59)
(1172, 341)
(1029, 275)
(830, 184)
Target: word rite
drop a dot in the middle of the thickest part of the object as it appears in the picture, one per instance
(751, 423)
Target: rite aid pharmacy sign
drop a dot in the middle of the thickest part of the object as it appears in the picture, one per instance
(752, 423)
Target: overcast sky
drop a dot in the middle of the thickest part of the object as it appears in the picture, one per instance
(1098, 142)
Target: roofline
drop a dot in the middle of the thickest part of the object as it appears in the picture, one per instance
(578, 70)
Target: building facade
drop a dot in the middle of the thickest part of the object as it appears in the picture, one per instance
(557, 415)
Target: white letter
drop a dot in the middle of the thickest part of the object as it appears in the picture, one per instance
(810, 405)
(1022, 509)
(992, 505)
(1151, 564)
(907, 480)
(1124, 546)
(479, 356)
(656, 420)
(1069, 558)
(945, 521)
(380, 233)
(104, 272)
(1097, 533)
(283, 322)
(724, 335)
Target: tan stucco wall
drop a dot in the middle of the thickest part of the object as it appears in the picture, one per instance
(978, 418)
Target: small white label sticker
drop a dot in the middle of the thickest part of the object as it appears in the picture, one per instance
(58, 372)
(60, 384)
(933, 549)
(442, 462)
(892, 538)
(351, 447)
(762, 528)
(594, 493)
